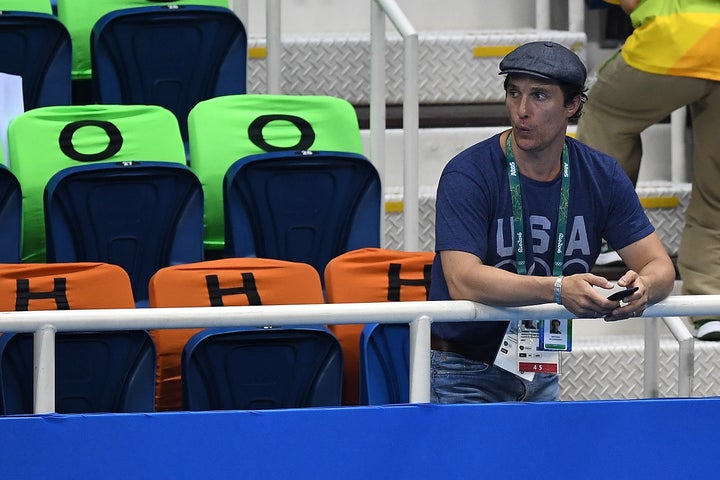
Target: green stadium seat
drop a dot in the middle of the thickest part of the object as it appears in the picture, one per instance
(225, 129)
(46, 140)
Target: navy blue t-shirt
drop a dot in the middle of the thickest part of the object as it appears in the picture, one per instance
(474, 215)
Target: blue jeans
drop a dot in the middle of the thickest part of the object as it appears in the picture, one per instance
(457, 379)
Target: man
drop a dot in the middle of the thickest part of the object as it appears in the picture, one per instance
(670, 60)
(555, 326)
(509, 188)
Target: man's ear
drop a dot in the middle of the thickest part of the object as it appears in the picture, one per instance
(572, 107)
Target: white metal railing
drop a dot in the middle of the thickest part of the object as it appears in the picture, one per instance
(686, 356)
(419, 315)
(273, 39)
(411, 108)
(274, 46)
(678, 156)
(576, 15)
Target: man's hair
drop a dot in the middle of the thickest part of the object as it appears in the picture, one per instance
(569, 90)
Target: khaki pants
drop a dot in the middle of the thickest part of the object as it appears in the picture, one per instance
(625, 101)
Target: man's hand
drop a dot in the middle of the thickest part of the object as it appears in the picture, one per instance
(633, 305)
(580, 296)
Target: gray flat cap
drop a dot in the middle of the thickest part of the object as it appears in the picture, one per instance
(546, 60)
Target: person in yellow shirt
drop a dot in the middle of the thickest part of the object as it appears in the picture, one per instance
(670, 60)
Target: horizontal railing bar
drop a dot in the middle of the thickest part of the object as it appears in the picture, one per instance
(341, 313)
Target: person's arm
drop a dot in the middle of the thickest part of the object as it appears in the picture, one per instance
(629, 6)
(469, 279)
(650, 269)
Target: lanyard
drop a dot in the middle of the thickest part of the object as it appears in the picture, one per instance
(516, 197)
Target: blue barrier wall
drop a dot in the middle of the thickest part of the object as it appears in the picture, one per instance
(671, 438)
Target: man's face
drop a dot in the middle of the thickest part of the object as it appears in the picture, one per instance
(537, 110)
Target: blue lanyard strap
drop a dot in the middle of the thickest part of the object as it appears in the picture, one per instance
(516, 197)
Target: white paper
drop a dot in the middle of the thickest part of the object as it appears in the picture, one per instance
(11, 105)
(507, 356)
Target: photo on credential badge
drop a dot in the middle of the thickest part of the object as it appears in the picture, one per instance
(556, 335)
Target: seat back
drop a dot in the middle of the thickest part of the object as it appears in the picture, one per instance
(139, 57)
(79, 16)
(94, 371)
(301, 206)
(10, 217)
(224, 129)
(376, 355)
(36, 46)
(262, 369)
(225, 282)
(384, 364)
(142, 216)
(109, 372)
(46, 140)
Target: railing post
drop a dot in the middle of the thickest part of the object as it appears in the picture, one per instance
(420, 360)
(44, 369)
(411, 124)
(686, 355)
(678, 161)
(380, 8)
(377, 101)
(240, 7)
(542, 14)
(576, 15)
(274, 47)
(651, 358)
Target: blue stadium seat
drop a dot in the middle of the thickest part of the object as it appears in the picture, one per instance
(10, 217)
(37, 47)
(110, 371)
(384, 364)
(378, 362)
(106, 371)
(251, 368)
(219, 283)
(140, 215)
(301, 206)
(173, 56)
(224, 129)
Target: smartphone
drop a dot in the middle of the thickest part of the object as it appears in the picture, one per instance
(619, 295)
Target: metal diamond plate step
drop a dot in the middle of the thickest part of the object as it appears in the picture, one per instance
(394, 219)
(611, 367)
(665, 204)
(453, 67)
